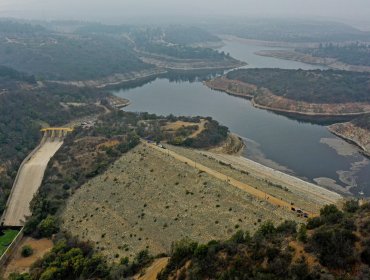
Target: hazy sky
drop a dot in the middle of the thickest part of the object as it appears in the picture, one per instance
(355, 10)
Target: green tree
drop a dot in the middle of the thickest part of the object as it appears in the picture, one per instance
(48, 226)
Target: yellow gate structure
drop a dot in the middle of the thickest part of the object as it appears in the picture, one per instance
(56, 132)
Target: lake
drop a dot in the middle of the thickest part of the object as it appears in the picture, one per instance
(306, 150)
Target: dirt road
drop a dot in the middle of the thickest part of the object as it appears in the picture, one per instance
(28, 182)
(152, 271)
(245, 187)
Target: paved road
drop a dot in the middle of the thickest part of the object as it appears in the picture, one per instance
(29, 180)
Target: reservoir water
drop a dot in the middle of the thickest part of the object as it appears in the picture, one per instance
(306, 150)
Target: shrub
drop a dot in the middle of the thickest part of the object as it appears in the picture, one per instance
(365, 254)
(17, 276)
(287, 227)
(331, 214)
(267, 228)
(241, 237)
(351, 206)
(314, 222)
(334, 241)
(302, 234)
(26, 251)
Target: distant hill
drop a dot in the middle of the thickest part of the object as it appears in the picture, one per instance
(89, 51)
(353, 54)
(297, 31)
(185, 35)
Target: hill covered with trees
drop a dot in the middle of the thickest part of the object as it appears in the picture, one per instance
(313, 86)
(289, 30)
(24, 108)
(352, 54)
(94, 51)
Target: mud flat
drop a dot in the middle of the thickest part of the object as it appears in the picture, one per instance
(27, 184)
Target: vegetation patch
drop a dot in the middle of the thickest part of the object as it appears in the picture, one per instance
(336, 247)
(6, 238)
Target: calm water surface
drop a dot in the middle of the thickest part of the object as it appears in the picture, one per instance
(306, 150)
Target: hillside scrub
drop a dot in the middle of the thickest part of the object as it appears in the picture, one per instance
(273, 252)
(87, 153)
(270, 253)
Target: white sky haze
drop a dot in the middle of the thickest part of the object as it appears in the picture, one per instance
(355, 10)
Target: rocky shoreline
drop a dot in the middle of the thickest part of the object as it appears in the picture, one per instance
(353, 134)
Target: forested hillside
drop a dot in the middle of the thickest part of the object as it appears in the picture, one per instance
(62, 57)
(314, 86)
(353, 54)
(24, 107)
(184, 35)
(95, 51)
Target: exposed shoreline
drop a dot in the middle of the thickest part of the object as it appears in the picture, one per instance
(294, 183)
(233, 145)
(364, 148)
(275, 44)
(309, 59)
(176, 64)
(249, 91)
(116, 79)
(244, 90)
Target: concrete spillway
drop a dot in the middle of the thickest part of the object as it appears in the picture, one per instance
(28, 181)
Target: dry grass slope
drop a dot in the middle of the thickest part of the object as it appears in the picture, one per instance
(147, 200)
